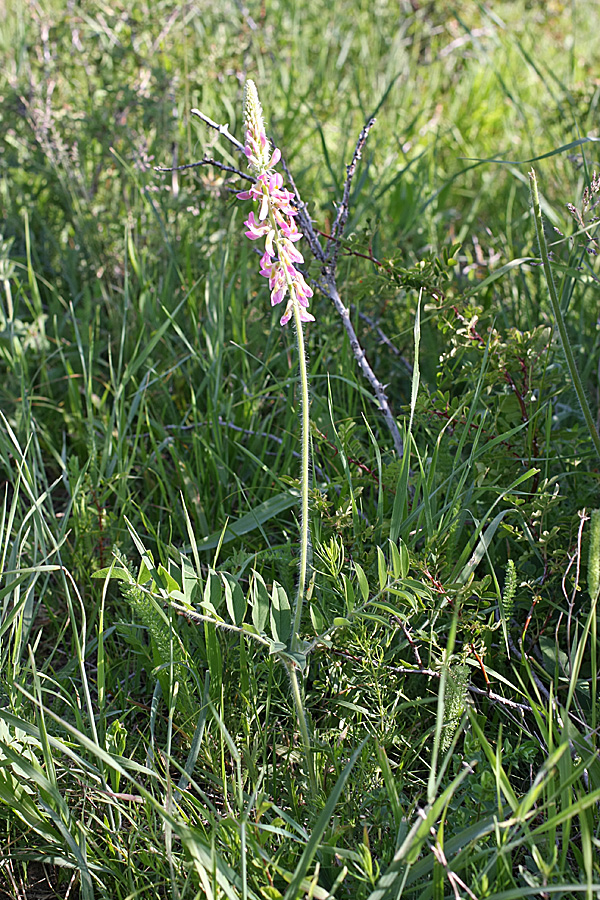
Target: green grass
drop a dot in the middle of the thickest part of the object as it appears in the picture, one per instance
(149, 443)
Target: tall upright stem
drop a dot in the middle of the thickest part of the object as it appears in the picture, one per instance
(304, 543)
(304, 479)
(303, 725)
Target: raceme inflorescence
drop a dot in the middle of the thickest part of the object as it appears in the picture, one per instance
(275, 223)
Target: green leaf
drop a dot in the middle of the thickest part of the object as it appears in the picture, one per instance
(401, 500)
(115, 572)
(362, 582)
(168, 581)
(234, 598)
(297, 658)
(400, 558)
(190, 581)
(348, 594)
(395, 560)
(213, 596)
(214, 658)
(281, 614)
(317, 618)
(381, 568)
(260, 602)
(270, 509)
(390, 783)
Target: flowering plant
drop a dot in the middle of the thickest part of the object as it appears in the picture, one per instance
(275, 222)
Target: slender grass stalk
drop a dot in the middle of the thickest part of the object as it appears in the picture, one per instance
(558, 316)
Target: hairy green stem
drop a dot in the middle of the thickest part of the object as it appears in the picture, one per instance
(304, 543)
(558, 316)
(304, 479)
(303, 724)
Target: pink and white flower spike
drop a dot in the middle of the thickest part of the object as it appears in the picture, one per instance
(275, 217)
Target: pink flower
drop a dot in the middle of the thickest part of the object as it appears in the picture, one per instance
(256, 229)
(276, 213)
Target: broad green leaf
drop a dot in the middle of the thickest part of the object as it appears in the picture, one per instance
(404, 559)
(168, 581)
(395, 560)
(318, 620)
(362, 582)
(281, 614)
(234, 598)
(190, 581)
(388, 608)
(298, 659)
(348, 594)
(260, 602)
(116, 572)
(213, 595)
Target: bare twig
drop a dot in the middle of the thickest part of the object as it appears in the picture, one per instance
(207, 161)
(540, 686)
(408, 637)
(382, 337)
(496, 698)
(222, 129)
(328, 287)
(342, 217)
